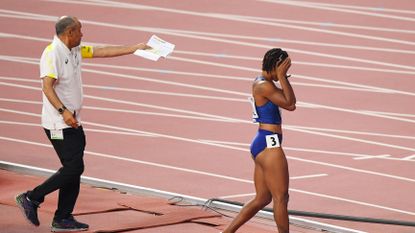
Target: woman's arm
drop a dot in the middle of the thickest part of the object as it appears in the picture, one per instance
(287, 89)
(284, 97)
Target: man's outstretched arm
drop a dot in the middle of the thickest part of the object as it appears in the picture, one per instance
(114, 51)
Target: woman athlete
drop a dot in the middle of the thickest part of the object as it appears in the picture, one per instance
(271, 167)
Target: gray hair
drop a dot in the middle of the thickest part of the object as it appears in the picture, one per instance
(63, 23)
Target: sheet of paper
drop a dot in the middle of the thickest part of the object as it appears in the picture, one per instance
(160, 48)
(148, 54)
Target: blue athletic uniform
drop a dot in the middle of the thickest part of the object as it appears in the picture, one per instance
(268, 113)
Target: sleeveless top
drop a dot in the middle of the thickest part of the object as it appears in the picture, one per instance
(268, 113)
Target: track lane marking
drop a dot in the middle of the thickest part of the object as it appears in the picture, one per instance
(219, 176)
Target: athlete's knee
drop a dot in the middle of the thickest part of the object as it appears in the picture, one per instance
(262, 200)
(287, 197)
(282, 198)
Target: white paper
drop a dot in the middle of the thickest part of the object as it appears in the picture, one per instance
(160, 48)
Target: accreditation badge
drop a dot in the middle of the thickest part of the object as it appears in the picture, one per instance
(56, 134)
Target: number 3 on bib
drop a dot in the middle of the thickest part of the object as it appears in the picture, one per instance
(272, 141)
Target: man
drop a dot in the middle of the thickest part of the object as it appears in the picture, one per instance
(60, 71)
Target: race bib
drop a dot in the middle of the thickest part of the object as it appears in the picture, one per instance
(254, 112)
(272, 141)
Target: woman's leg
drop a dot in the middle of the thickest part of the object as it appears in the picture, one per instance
(262, 198)
(275, 168)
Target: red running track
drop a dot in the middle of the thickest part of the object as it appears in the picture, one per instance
(182, 124)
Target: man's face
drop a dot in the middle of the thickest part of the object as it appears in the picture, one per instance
(75, 34)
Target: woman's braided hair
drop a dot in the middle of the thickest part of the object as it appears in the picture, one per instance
(273, 58)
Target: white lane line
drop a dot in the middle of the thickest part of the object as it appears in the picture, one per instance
(392, 114)
(402, 178)
(296, 62)
(287, 127)
(163, 108)
(253, 194)
(134, 77)
(121, 158)
(151, 191)
(234, 42)
(340, 8)
(192, 60)
(33, 62)
(331, 25)
(354, 202)
(221, 145)
(308, 176)
(125, 111)
(314, 151)
(380, 89)
(237, 18)
(338, 84)
(163, 93)
(365, 8)
(131, 130)
(372, 157)
(237, 195)
(157, 114)
(349, 67)
(363, 112)
(242, 37)
(341, 85)
(21, 101)
(226, 142)
(165, 71)
(118, 132)
(20, 86)
(293, 128)
(87, 129)
(107, 183)
(358, 132)
(245, 145)
(20, 123)
(135, 90)
(219, 90)
(143, 7)
(409, 158)
(109, 156)
(359, 86)
(225, 98)
(200, 114)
